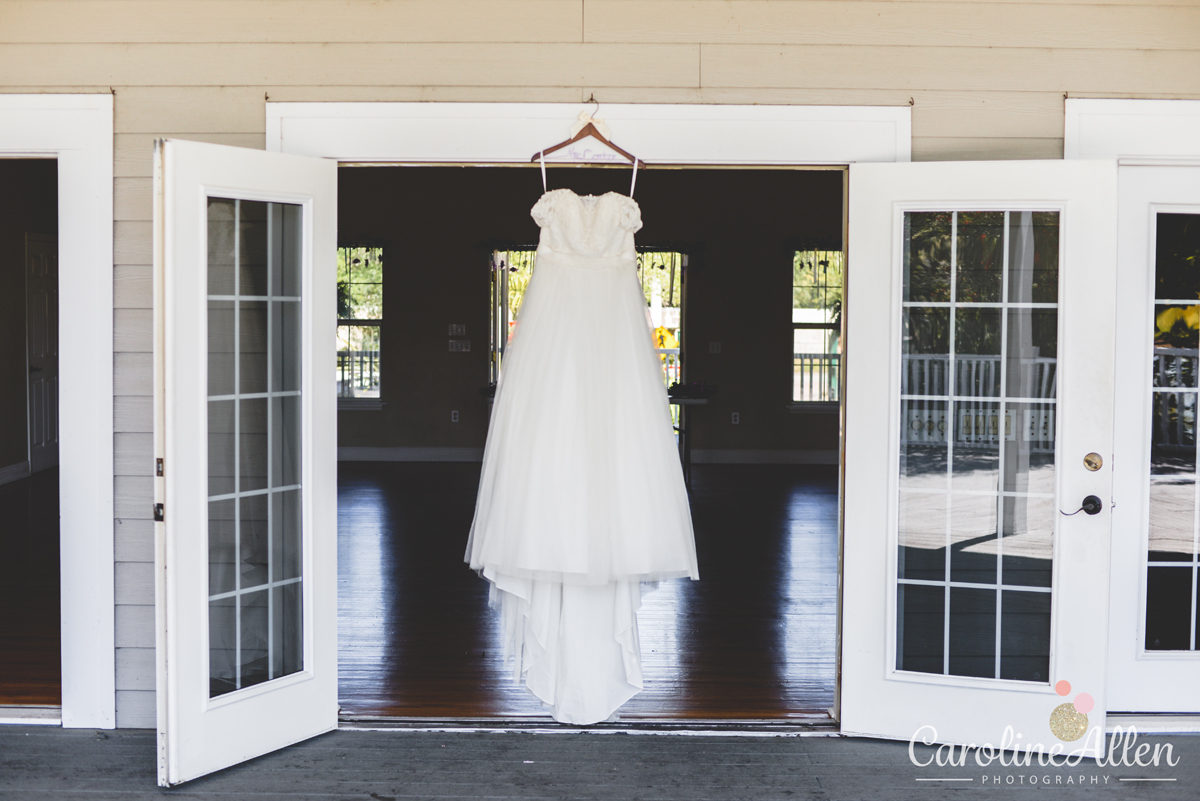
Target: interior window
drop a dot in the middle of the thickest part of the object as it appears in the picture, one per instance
(817, 277)
(360, 321)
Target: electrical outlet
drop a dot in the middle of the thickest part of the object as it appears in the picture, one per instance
(737, 418)
(454, 416)
(714, 347)
(458, 329)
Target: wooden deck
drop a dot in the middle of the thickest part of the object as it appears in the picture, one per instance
(753, 639)
(50, 763)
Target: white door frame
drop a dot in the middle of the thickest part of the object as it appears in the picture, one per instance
(509, 133)
(1158, 131)
(1140, 134)
(77, 130)
(493, 133)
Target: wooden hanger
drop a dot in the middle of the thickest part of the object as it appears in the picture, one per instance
(588, 130)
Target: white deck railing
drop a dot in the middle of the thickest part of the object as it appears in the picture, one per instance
(816, 378)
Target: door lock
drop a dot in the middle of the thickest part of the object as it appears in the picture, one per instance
(1091, 504)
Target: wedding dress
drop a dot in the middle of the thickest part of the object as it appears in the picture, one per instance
(581, 495)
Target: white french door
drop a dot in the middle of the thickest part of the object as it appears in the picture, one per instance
(245, 435)
(980, 309)
(1153, 656)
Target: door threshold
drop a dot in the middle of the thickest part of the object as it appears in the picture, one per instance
(799, 726)
(30, 715)
(1153, 722)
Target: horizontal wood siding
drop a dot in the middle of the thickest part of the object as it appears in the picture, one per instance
(986, 80)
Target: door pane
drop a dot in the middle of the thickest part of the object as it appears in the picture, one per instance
(254, 446)
(1171, 577)
(979, 394)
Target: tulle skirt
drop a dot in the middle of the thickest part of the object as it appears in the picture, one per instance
(581, 495)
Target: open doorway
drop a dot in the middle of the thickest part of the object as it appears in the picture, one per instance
(30, 646)
(755, 638)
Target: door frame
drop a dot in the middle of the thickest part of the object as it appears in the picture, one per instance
(1138, 134)
(403, 133)
(77, 131)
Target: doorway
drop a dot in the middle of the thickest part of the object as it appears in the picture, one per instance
(30, 620)
(755, 638)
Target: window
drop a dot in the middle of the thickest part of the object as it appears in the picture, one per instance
(360, 320)
(511, 271)
(817, 277)
(659, 272)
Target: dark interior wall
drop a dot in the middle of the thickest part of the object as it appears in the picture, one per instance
(438, 226)
(28, 204)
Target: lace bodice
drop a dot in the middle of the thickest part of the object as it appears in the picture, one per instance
(591, 225)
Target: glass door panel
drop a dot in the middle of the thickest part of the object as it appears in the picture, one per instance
(254, 443)
(976, 480)
(1172, 554)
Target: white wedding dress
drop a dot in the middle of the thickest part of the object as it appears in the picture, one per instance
(581, 496)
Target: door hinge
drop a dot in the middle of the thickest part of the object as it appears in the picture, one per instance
(158, 467)
(159, 515)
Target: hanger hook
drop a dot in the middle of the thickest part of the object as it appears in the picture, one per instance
(592, 99)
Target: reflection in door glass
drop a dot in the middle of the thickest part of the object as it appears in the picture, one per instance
(255, 611)
(979, 387)
(1171, 586)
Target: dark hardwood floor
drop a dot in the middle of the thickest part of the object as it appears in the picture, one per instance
(30, 662)
(753, 639)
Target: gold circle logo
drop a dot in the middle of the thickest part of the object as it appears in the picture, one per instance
(1067, 724)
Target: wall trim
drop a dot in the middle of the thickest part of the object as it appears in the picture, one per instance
(77, 130)
(699, 456)
(1152, 723)
(14, 472)
(752, 456)
(1106, 129)
(497, 133)
(368, 454)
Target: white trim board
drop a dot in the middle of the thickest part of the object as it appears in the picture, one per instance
(21, 715)
(14, 472)
(761, 456)
(1152, 724)
(1103, 129)
(491, 133)
(352, 453)
(77, 130)
(699, 456)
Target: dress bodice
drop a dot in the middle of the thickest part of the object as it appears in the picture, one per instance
(589, 225)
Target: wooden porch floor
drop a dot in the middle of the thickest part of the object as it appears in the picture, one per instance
(753, 639)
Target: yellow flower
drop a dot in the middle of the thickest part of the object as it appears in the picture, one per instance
(1168, 317)
(1191, 316)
